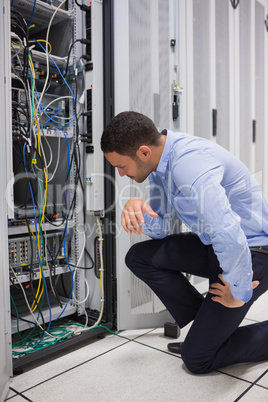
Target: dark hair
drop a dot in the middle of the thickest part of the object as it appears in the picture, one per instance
(127, 131)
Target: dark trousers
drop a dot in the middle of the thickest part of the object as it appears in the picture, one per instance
(215, 339)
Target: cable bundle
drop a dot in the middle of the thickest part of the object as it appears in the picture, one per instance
(33, 168)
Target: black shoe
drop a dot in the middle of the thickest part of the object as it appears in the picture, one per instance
(175, 347)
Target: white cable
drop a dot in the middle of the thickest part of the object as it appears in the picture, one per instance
(55, 100)
(26, 299)
(20, 46)
(78, 331)
(74, 275)
(16, 51)
(48, 145)
(47, 57)
(57, 164)
(87, 294)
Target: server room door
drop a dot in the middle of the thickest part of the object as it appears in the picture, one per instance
(146, 78)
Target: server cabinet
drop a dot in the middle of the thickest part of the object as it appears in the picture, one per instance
(54, 239)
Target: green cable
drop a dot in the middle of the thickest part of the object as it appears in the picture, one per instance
(45, 343)
(17, 315)
(18, 318)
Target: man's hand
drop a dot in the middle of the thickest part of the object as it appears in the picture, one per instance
(132, 215)
(223, 293)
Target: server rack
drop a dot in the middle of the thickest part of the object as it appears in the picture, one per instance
(58, 246)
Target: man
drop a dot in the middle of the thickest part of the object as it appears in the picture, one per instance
(214, 194)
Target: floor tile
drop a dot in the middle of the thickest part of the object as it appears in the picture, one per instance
(156, 338)
(134, 372)
(18, 398)
(10, 393)
(264, 380)
(255, 394)
(246, 371)
(67, 360)
(135, 333)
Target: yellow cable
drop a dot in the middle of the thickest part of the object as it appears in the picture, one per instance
(34, 305)
(31, 230)
(42, 40)
(34, 41)
(100, 250)
(38, 239)
(45, 195)
(16, 44)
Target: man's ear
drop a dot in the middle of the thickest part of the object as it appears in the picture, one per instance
(144, 152)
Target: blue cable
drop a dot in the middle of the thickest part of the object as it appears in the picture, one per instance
(41, 264)
(56, 68)
(57, 111)
(30, 23)
(49, 117)
(57, 122)
(66, 229)
(65, 234)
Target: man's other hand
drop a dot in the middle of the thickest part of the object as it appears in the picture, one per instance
(132, 215)
(222, 293)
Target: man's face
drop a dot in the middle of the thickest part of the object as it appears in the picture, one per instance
(135, 169)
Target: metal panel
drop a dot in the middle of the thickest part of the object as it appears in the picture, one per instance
(5, 133)
(222, 23)
(94, 83)
(245, 54)
(202, 68)
(143, 81)
(260, 34)
(265, 105)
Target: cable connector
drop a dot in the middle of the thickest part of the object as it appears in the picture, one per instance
(83, 7)
(86, 141)
(85, 41)
(86, 57)
(87, 114)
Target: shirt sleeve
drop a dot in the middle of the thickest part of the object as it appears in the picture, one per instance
(220, 225)
(157, 228)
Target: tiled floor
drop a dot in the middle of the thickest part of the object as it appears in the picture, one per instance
(136, 366)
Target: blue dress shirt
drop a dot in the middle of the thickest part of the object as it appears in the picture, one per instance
(216, 197)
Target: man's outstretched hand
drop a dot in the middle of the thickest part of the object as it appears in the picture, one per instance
(222, 293)
(132, 215)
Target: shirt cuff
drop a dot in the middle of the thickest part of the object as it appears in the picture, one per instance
(241, 293)
(156, 228)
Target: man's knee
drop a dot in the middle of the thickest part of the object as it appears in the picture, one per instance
(194, 362)
(131, 257)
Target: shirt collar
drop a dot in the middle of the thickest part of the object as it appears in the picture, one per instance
(162, 165)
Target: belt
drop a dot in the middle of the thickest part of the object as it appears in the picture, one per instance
(260, 249)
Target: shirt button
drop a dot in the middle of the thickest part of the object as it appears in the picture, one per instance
(248, 290)
(249, 274)
(163, 177)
